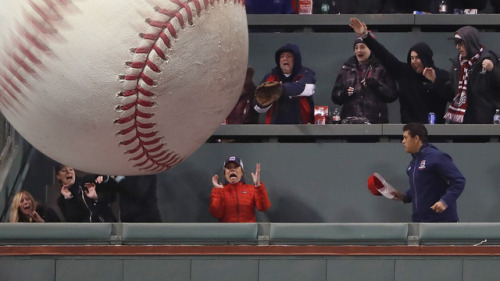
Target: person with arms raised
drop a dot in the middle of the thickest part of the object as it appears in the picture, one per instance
(423, 87)
(235, 201)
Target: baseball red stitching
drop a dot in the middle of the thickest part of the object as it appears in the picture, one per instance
(150, 153)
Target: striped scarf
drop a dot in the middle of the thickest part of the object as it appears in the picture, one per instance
(457, 108)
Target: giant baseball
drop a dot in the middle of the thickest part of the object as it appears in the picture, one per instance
(120, 87)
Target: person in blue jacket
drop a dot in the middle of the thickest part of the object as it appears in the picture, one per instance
(435, 181)
(296, 104)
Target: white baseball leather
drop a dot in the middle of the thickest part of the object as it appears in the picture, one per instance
(121, 87)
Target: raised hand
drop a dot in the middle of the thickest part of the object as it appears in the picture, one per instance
(430, 74)
(358, 26)
(99, 179)
(215, 182)
(65, 191)
(90, 190)
(256, 175)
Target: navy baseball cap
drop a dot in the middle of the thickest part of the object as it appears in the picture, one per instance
(456, 38)
(234, 159)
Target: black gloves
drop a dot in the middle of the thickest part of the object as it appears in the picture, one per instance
(372, 83)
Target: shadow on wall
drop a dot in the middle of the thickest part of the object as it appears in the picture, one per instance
(181, 198)
(297, 211)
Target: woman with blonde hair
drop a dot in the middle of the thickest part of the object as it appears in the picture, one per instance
(25, 208)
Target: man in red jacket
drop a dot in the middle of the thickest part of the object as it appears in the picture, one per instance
(235, 201)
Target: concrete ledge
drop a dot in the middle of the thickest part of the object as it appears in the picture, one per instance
(459, 233)
(189, 233)
(395, 20)
(353, 130)
(55, 233)
(339, 233)
(414, 234)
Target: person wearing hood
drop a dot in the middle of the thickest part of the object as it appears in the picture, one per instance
(476, 78)
(296, 104)
(235, 201)
(423, 88)
(363, 87)
(435, 181)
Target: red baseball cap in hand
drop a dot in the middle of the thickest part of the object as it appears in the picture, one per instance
(378, 186)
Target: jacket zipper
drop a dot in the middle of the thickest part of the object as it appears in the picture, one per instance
(85, 202)
(237, 203)
(414, 185)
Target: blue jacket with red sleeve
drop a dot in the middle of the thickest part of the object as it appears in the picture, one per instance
(296, 104)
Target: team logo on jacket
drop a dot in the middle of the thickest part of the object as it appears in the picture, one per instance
(422, 165)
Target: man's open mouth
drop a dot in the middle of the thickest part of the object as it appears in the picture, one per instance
(233, 176)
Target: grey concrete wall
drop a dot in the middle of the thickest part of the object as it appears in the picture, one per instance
(327, 182)
(250, 268)
(315, 181)
(326, 52)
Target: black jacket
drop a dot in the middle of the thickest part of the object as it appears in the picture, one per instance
(138, 200)
(417, 95)
(80, 208)
(483, 89)
(47, 214)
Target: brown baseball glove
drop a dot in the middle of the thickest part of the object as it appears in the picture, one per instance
(267, 93)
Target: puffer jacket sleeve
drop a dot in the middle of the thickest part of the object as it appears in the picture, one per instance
(261, 198)
(217, 203)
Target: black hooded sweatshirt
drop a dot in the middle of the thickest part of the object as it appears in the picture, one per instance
(418, 96)
(483, 88)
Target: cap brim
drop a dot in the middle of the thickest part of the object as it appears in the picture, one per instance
(456, 37)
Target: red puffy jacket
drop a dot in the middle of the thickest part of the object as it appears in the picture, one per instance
(237, 202)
